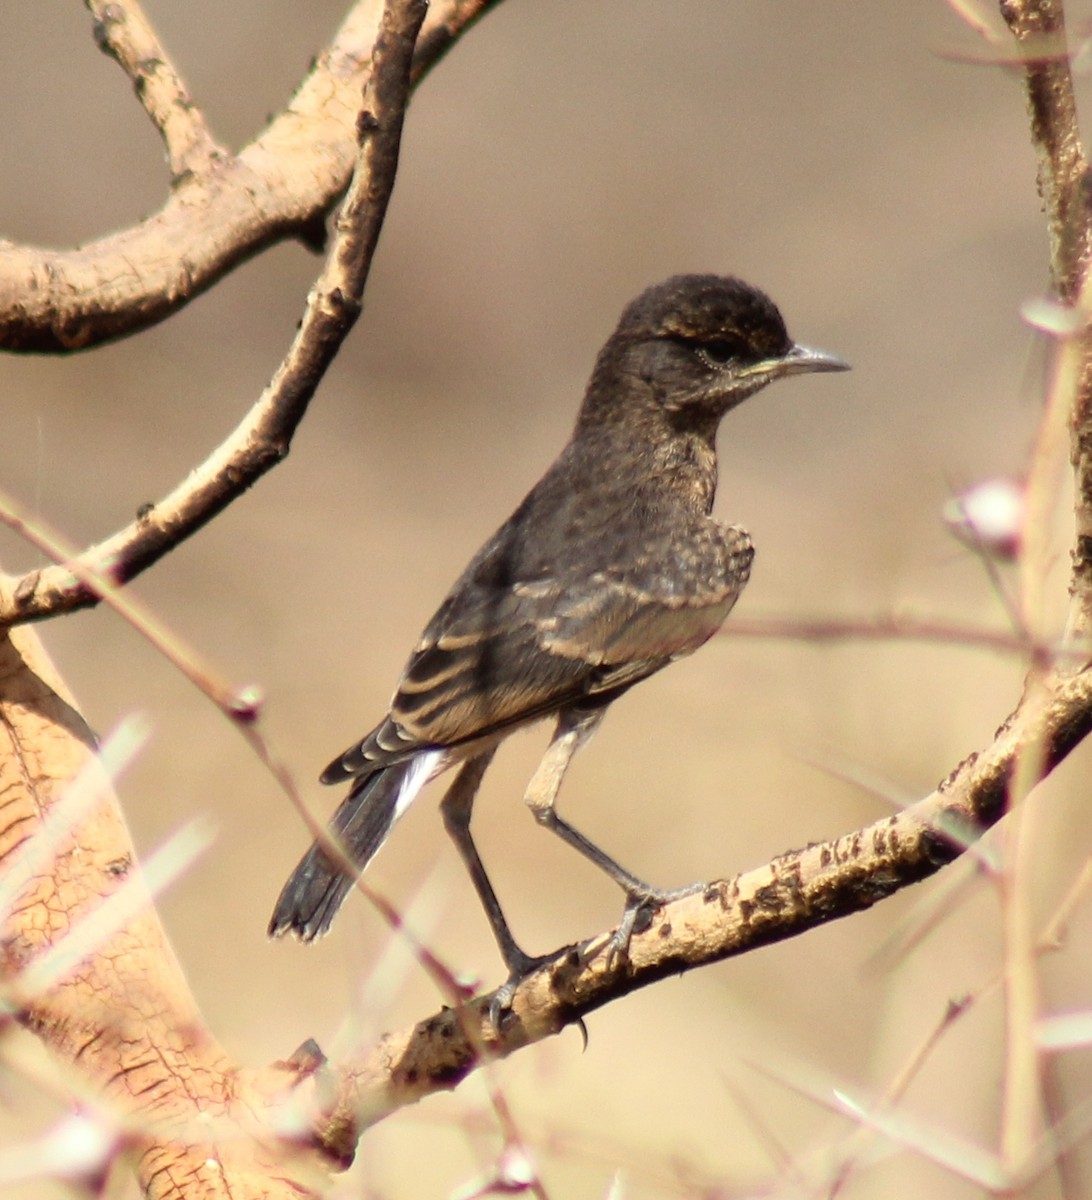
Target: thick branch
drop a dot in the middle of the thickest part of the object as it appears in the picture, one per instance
(280, 186)
(125, 1004)
(122, 1018)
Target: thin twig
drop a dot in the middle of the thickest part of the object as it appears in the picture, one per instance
(1023, 1116)
(236, 702)
(124, 32)
(853, 1144)
(895, 627)
(1049, 941)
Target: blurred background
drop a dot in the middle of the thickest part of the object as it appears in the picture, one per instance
(562, 158)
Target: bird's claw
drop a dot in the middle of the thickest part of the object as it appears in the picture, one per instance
(519, 965)
(637, 916)
(640, 907)
(500, 1003)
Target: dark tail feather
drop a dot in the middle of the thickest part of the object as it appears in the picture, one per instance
(317, 888)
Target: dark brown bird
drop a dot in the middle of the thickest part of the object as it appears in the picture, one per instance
(611, 568)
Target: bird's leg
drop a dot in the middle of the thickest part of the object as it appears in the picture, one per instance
(456, 808)
(574, 728)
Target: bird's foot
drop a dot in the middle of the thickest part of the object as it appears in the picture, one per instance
(519, 966)
(641, 906)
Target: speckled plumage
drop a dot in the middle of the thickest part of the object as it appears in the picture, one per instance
(611, 568)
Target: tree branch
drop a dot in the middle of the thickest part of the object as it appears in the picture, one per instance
(792, 894)
(123, 32)
(264, 436)
(1039, 29)
(118, 1010)
(222, 209)
(1065, 186)
(122, 1017)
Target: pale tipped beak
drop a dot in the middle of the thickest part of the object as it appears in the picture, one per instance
(796, 361)
(805, 358)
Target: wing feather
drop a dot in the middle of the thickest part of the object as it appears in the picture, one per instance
(503, 652)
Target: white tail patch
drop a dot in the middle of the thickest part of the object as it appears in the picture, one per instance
(423, 768)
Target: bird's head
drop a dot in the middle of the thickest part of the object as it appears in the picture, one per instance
(694, 347)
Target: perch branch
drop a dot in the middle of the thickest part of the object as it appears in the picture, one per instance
(783, 899)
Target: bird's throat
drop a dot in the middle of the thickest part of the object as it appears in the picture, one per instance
(684, 467)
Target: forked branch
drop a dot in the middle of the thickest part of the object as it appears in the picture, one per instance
(264, 436)
(222, 208)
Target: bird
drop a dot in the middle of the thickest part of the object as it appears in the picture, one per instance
(611, 568)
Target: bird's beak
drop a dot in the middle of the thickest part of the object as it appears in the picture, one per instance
(795, 362)
(805, 358)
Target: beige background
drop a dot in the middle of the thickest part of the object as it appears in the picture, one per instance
(564, 156)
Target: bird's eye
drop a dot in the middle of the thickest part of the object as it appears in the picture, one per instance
(719, 352)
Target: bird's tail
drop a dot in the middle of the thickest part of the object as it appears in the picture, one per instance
(317, 888)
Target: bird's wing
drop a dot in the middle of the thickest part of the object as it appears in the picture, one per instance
(504, 651)
(536, 649)
(478, 668)
(487, 665)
